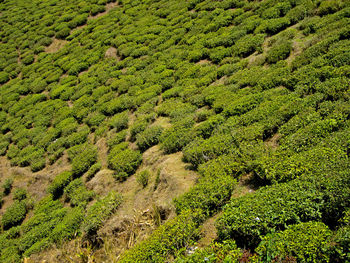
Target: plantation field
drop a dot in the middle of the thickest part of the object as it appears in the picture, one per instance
(174, 131)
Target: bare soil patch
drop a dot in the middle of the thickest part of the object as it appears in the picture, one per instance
(273, 141)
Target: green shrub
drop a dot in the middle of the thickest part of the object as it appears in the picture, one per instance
(243, 105)
(206, 128)
(37, 247)
(79, 20)
(143, 177)
(59, 183)
(149, 137)
(37, 164)
(137, 127)
(47, 205)
(20, 194)
(339, 249)
(305, 242)
(176, 137)
(14, 214)
(298, 13)
(273, 26)
(69, 226)
(203, 115)
(311, 134)
(67, 126)
(166, 240)
(279, 52)
(124, 161)
(120, 121)
(157, 180)
(4, 77)
(329, 7)
(56, 155)
(272, 12)
(7, 186)
(99, 212)
(10, 254)
(248, 44)
(63, 33)
(41, 231)
(283, 166)
(93, 170)
(77, 193)
(116, 138)
(95, 119)
(200, 150)
(28, 59)
(84, 159)
(219, 53)
(175, 109)
(119, 104)
(3, 147)
(248, 218)
(76, 68)
(209, 195)
(95, 9)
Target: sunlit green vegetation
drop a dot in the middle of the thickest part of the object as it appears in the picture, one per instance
(256, 89)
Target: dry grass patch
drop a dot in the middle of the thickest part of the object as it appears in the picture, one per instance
(163, 122)
(56, 45)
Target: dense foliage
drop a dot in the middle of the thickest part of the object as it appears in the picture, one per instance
(256, 89)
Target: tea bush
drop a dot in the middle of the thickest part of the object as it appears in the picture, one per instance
(165, 240)
(149, 137)
(100, 211)
(201, 150)
(176, 137)
(4, 77)
(77, 194)
(84, 159)
(329, 7)
(120, 121)
(93, 170)
(59, 183)
(247, 219)
(248, 45)
(279, 52)
(209, 195)
(273, 26)
(7, 186)
(137, 127)
(14, 215)
(305, 242)
(69, 226)
(206, 128)
(20, 194)
(40, 232)
(124, 161)
(116, 138)
(282, 167)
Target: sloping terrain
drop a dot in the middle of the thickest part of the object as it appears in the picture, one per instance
(175, 131)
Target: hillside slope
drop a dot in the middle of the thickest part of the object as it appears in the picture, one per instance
(138, 131)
